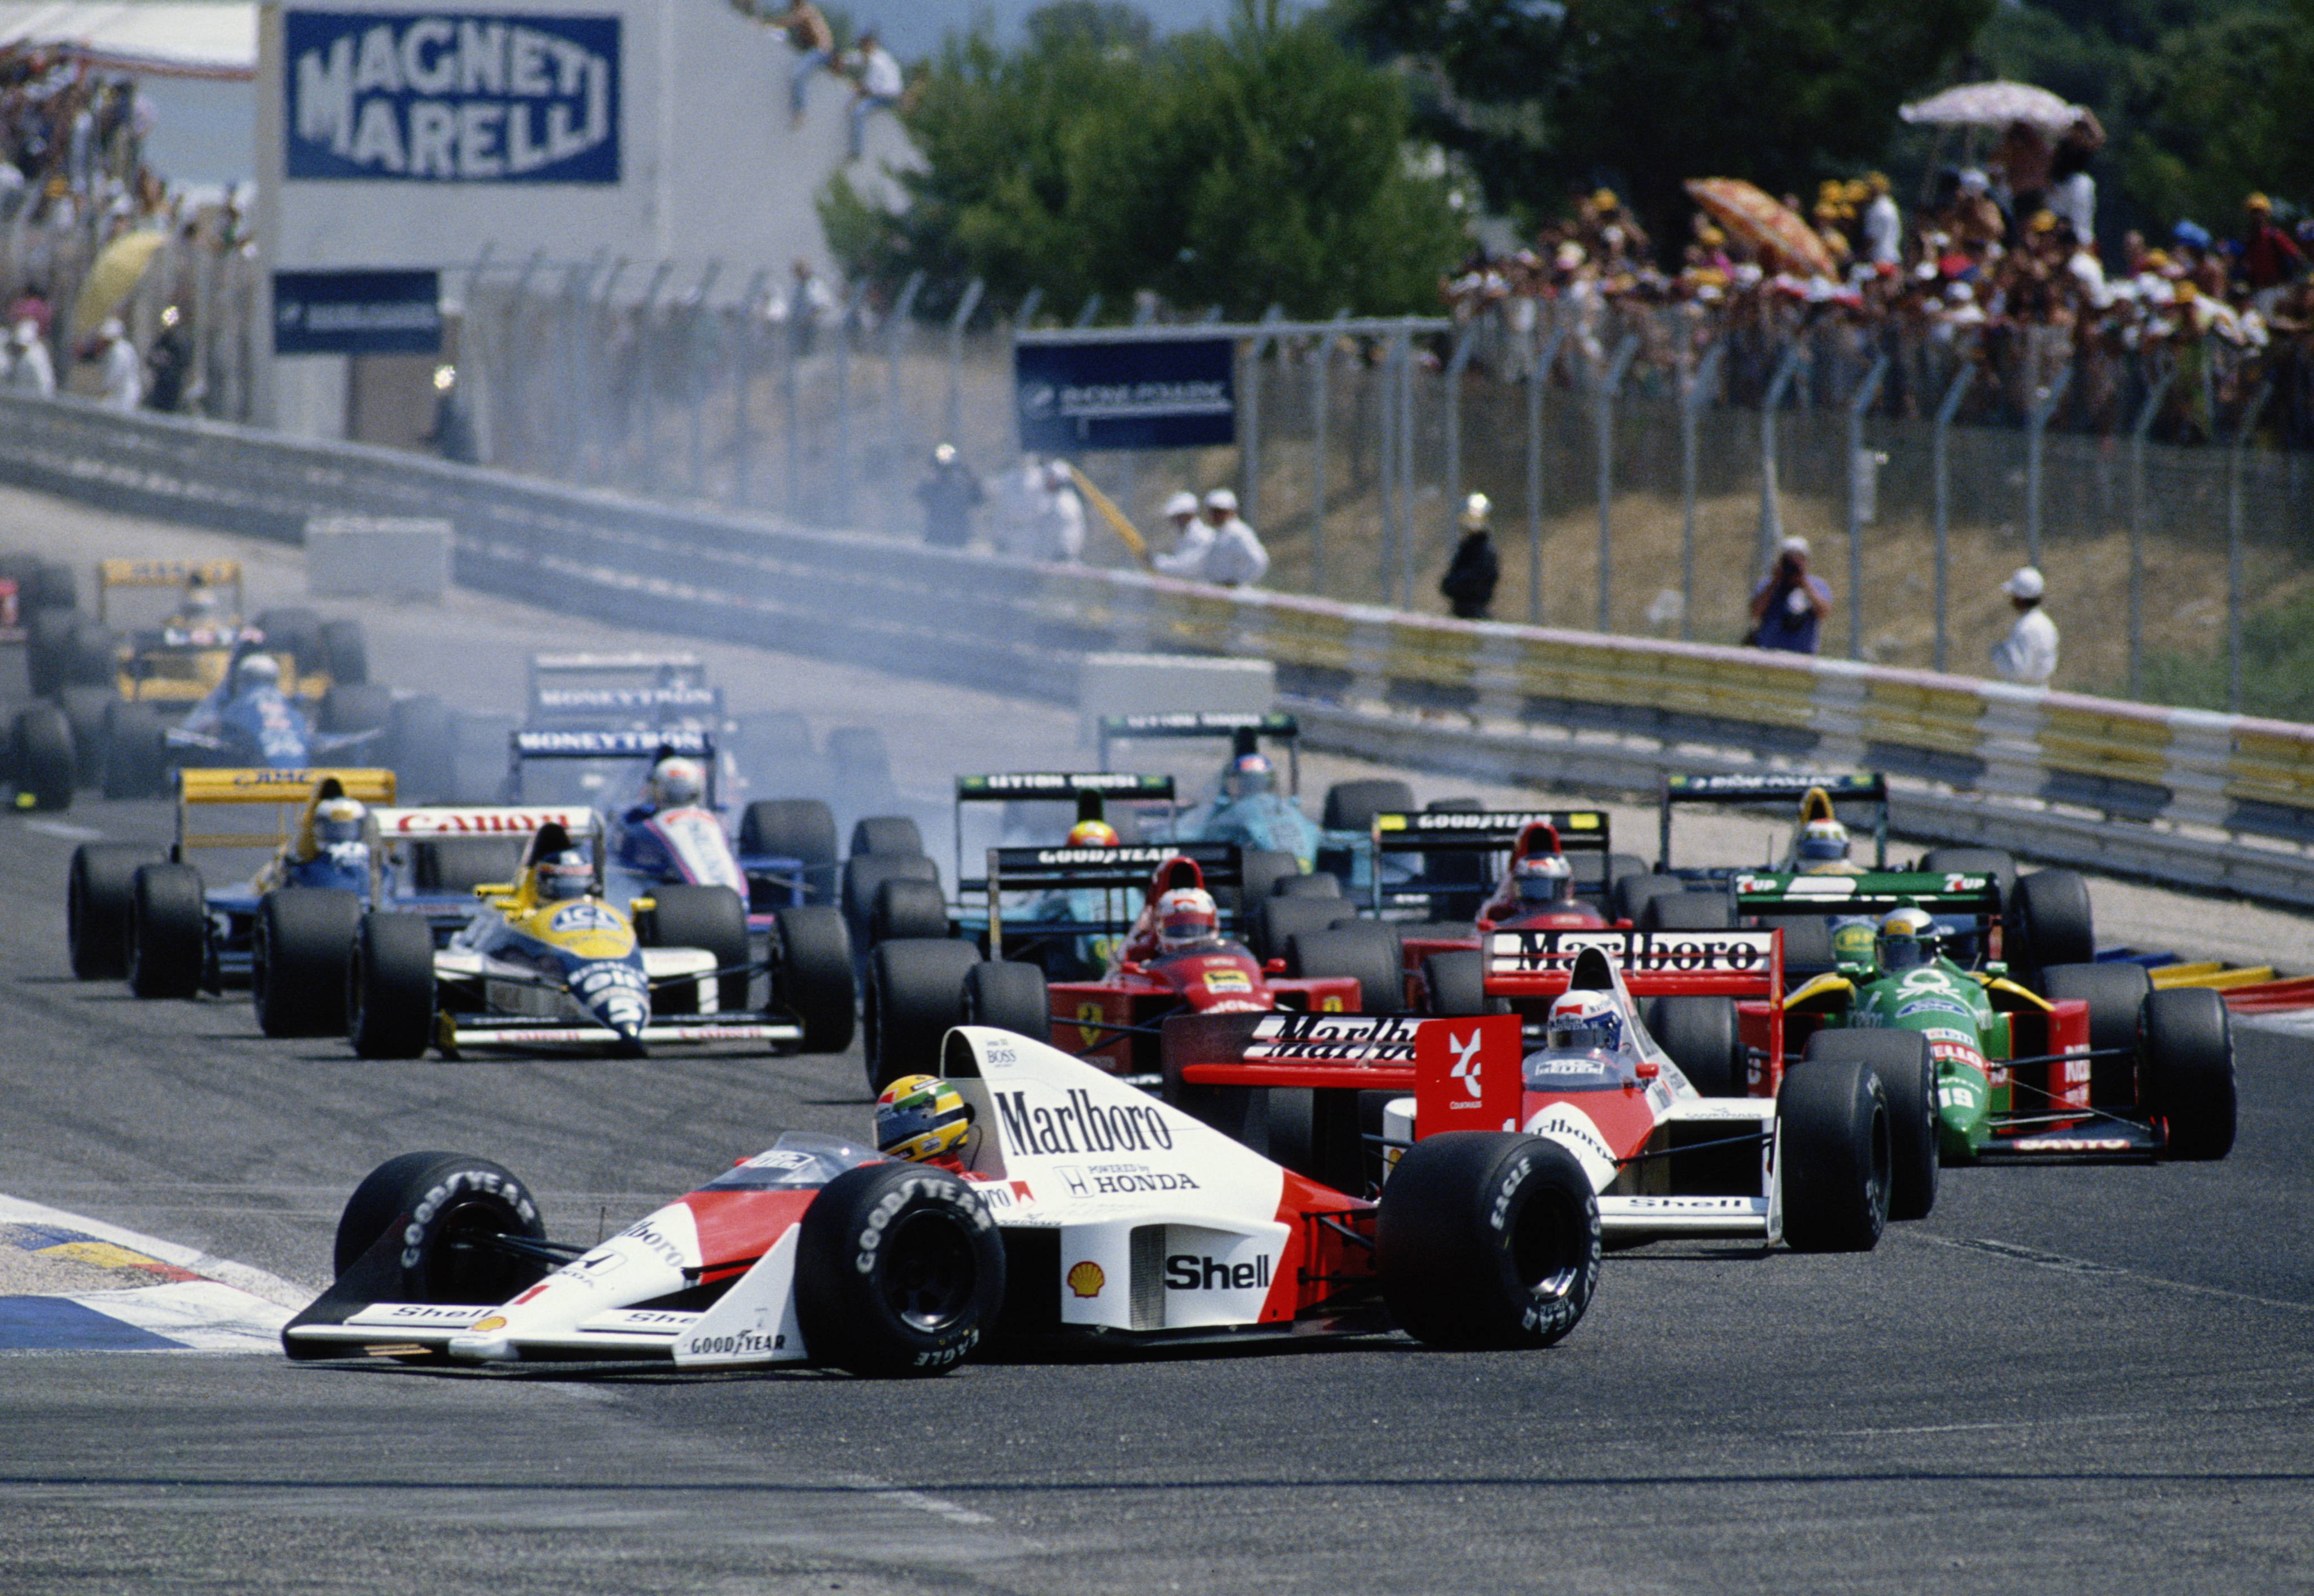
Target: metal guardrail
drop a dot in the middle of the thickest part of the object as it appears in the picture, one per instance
(2206, 800)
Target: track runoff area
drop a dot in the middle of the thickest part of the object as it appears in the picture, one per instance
(2065, 1378)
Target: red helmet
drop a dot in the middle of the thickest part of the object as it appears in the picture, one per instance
(1186, 918)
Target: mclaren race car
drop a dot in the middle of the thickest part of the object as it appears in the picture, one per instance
(1075, 1208)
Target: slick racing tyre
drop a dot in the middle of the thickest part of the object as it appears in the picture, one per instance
(1700, 1036)
(296, 630)
(1808, 947)
(893, 834)
(2116, 994)
(1908, 1077)
(802, 829)
(1367, 950)
(711, 919)
(2188, 1047)
(1318, 884)
(1687, 911)
(915, 996)
(135, 751)
(812, 974)
(1838, 1155)
(1351, 805)
(898, 1269)
(168, 931)
(345, 653)
(390, 987)
(1631, 895)
(360, 706)
(40, 757)
(864, 873)
(1276, 920)
(99, 892)
(2050, 910)
(1486, 1239)
(1010, 996)
(446, 1211)
(84, 707)
(298, 959)
(1996, 862)
(905, 907)
(1456, 982)
(1263, 870)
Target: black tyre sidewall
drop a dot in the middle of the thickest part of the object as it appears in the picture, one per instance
(424, 1200)
(914, 996)
(1908, 1080)
(390, 987)
(168, 922)
(1452, 1229)
(1833, 1115)
(1011, 996)
(846, 1252)
(2187, 1047)
(812, 974)
(100, 893)
(302, 946)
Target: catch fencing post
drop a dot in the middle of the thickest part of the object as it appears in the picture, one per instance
(954, 421)
(1406, 539)
(1322, 364)
(1772, 520)
(1609, 384)
(743, 389)
(895, 327)
(845, 329)
(1941, 471)
(1386, 461)
(696, 362)
(2234, 544)
(2036, 424)
(1858, 464)
(1025, 313)
(1455, 366)
(1538, 378)
(1250, 457)
(1088, 310)
(599, 315)
(647, 373)
(2142, 425)
(1697, 393)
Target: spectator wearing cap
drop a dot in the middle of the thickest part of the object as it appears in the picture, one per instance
(2269, 257)
(1193, 540)
(122, 373)
(1468, 584)
(1790, 605)
(2028, 653)
(30, 369)
(1237, 559)
(948, 492)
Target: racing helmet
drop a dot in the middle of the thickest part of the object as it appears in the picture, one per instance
(338, 820)
(1908, 939)
(565, 874)
(920, 1117)
(1584, 1022)
(256, 671)
(1092, 833)
(200, 604)
(1249, 775)
(1822, 843)
(677, 782)
(1186, 918)
(1544, 878)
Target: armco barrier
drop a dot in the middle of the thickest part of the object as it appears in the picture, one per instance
(2209, 800)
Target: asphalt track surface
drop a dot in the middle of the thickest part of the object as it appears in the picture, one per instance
(2081, 1378)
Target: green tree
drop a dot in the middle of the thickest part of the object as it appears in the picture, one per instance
(1546, 98)
(1266, 166)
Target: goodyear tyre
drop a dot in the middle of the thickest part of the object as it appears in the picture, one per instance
(1010, 996)
(1278, 921)
(1351, 805)
(1486, 1239)
(1699, 1034)
(1908, 1077)
(1318, 884)
(914, 996)
(1838, 1155)
(812, 974)
(135, 760)
(447, 1211)
(2116, 994)
(84, 707)
(899, 1271)
(390, 987)
(864, 873)
(41, 753)
(893, 834)
(1367, 950)
(168, 931)
(1456, 982)
(1686, 912)
(711, 919)
(100, 890)
(299, 958)
(802, 829)
(2050, 912)
(906, 907)
(2188, 1047)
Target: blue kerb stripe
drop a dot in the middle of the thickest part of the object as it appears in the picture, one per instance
(55, 1324)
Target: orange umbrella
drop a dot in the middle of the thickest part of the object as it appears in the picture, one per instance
(1773, 228)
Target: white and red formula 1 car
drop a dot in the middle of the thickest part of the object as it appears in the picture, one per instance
(1079, 1206)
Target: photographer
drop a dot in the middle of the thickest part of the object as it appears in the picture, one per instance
(1788, 605)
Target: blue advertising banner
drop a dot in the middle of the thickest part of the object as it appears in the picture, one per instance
(1173, 393)
(356, 312)
(414, 97)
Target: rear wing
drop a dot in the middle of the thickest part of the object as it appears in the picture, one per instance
(481, 820)
(1769, 787)
(287, 791)
(1090, 790)
(405, 846)
(1581, 832)
(1744, 963)
(1469, 1066)
(167, 573)
(1126, 870)
(1945, 894)
(1209, 726)
(649, 703)
(637, 669)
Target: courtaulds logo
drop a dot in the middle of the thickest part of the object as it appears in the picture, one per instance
(1086, 1279)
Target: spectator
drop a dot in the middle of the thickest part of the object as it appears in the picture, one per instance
(30, 369)
(2028, 653)
(1063, 521)
(2072, 191)
(123, 373)
(1884, 229)
(1790, 605)
(1021, 510)
(808, 301)
(1192, 540)
(814, 42)
(2024, 159)
(171, 363)
(1468, 584)
(453, 432)
(1237, 559)
(2269, 257)
(878, 87)
(948, 492)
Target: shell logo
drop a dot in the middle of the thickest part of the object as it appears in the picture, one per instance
(1086, 1279)
(494, 1322)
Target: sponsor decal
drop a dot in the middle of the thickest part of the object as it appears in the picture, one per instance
(781, 1158)
(1794, 781)
(1091, 1017)
(275, 778)
(1931, 1006)
(1957, 1052)
(647, 1234)
(412, 97)
(441, 821)
(1086, 1279)
(1938, 1033)
(1639, 951)
(1508, 822)
(496, 1321)
(1120, 857)
(1330, 1036)
(1228, 981)
(1192, 1272)
(738, 1344)
(628, 698)
(1074, 1179)
(675, 739)
(1465, 1065)
(1082, 1124)
(573, 918)
(1065, 781)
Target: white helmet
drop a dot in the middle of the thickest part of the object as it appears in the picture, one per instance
(1544, 878)
(677, 782)
(1186, 918)
(1584, 1022)
(256, 671)
(1907, 940)
(338, 820)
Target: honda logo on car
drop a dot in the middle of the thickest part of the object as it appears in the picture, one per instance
(1082, 1124)
(1189, 1271)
